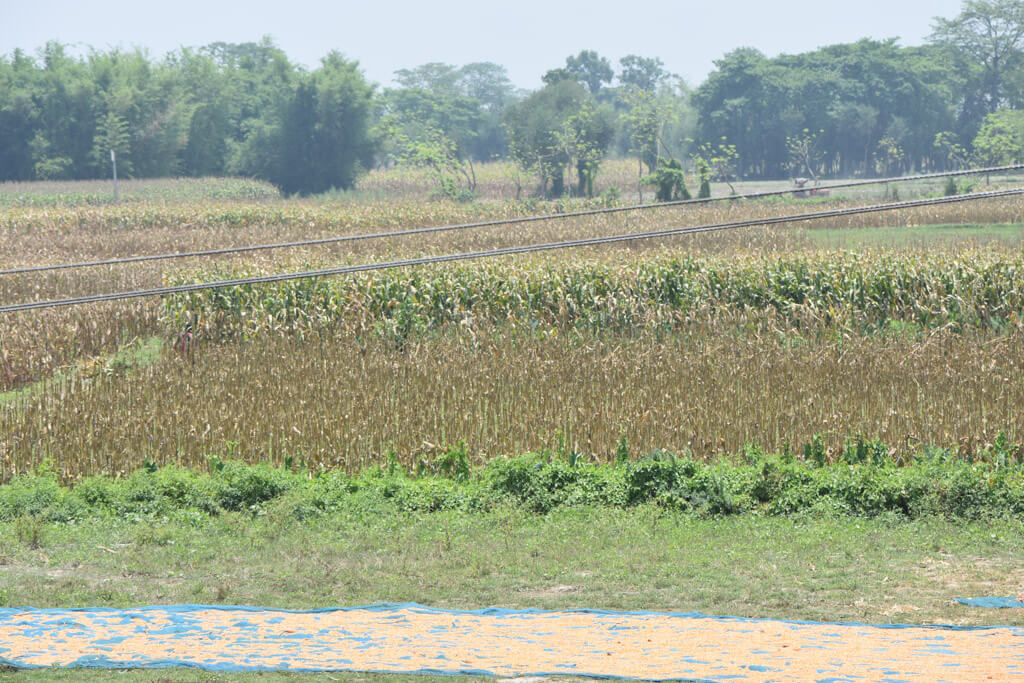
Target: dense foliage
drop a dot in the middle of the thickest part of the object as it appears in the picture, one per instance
(223, 109)
(862, 481)
(871, 107)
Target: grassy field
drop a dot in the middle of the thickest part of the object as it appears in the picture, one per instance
(866, 570)
(101, 192)
(968, 235)
(903, 327)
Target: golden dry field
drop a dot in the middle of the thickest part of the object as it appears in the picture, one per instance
(903, 326)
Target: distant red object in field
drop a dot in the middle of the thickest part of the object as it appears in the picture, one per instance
(183, 344)
(808, 192)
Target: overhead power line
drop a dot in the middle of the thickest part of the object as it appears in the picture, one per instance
(494, 223)
(523, 249)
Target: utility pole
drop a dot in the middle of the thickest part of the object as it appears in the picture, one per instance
(113, 160)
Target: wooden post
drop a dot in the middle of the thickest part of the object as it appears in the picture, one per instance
(113, 160)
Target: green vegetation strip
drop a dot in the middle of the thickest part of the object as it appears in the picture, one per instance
(912, 235)
(864, 481)
(974, 289)
(100, 192)
(873, 570)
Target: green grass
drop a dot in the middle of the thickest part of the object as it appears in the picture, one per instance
(99, 192)
(878, 571)
(924, 235)
(872, 570)
(367, 548)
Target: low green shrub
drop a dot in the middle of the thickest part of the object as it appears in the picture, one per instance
(863, 481)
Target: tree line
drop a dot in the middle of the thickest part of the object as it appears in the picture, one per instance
(872, 107)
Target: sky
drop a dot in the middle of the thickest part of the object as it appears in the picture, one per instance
(527, 36)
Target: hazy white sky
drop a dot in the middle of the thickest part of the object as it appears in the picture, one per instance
(527, 36)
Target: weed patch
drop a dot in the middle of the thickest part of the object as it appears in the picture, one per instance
(861, 481)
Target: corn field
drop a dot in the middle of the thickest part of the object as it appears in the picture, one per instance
(337, 400)
(700, 343)
(855, 290)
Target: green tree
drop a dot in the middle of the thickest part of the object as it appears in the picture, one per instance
(890, 156)
(465, 104)
(436, 77)
(718, 161)
(487, 83)
(215, 95)
(585, 137)
(246, 97)
(344, 141)
(670, 181)
(587, 68)
(704, 174)
(948, 144)
(18, 116)
(657, 121)
(642, 73)
(63, 95)
(990, 34)
(805, 153)
(149, 96)
(112, 136)
(855, 94)
(296, 161)
(436, 132)
(1001, 139)
(48, 164)
(319, 138)
(257, 153)
(646, 117)
(533, 125)
(590, 69)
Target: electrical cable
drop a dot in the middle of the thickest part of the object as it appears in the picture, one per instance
(488, 224)
(522, 249)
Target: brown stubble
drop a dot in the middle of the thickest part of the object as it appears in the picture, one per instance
(336, 400)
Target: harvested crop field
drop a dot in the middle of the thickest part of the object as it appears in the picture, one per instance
(694, 344)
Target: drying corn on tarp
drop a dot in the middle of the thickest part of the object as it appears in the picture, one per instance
(496, 642)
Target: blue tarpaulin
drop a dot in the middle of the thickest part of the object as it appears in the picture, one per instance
(409, 638)
(992, 603)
